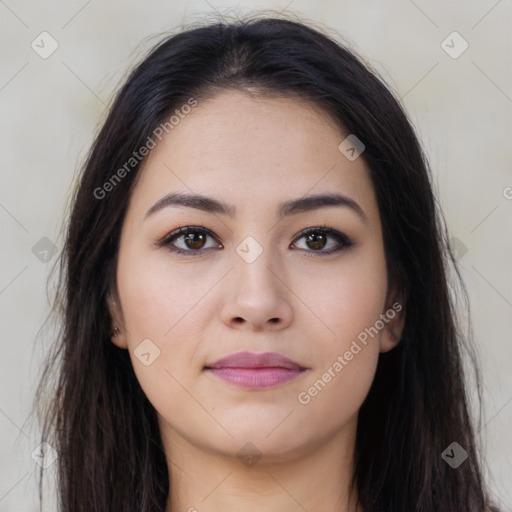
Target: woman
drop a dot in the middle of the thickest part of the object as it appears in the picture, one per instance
(256, 314)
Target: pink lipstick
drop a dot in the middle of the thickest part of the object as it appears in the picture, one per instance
(255, 371)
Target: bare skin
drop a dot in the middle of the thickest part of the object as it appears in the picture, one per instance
(254, 154)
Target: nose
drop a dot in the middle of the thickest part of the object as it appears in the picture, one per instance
(256, 296)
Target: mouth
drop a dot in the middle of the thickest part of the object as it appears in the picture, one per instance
(255, 371)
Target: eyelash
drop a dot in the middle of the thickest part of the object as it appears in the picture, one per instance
(344, 241)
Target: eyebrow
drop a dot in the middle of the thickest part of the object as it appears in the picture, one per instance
(290, 207)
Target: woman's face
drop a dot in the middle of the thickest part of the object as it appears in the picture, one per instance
(253, 281)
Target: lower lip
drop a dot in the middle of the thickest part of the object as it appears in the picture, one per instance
(255, 378)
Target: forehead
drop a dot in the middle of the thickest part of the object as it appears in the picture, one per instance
(252, 152)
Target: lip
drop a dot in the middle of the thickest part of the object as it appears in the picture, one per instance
(247, 359)
(255, 371)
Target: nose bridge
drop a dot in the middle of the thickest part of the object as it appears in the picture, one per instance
(255, 292)
(253, 261)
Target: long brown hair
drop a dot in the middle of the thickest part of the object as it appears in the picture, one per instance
(99, 420)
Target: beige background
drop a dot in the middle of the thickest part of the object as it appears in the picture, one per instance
(50, 109)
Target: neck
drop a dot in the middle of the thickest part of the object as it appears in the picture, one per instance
(315, 478)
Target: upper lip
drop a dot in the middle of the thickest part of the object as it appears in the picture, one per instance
(251, 360)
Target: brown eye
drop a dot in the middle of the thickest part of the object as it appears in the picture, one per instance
(316, 239)
(192, 240)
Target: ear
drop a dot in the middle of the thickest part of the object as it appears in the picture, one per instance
(117, 327)
(395, 315)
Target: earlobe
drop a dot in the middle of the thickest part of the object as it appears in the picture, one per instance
(389, 340)
(118, 338)
(117, 331)
(393, 330)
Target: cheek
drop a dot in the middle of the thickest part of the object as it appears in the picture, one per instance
(158, 306)
(346, 297)
(165, 307)
(156, 296)
(349, 310)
